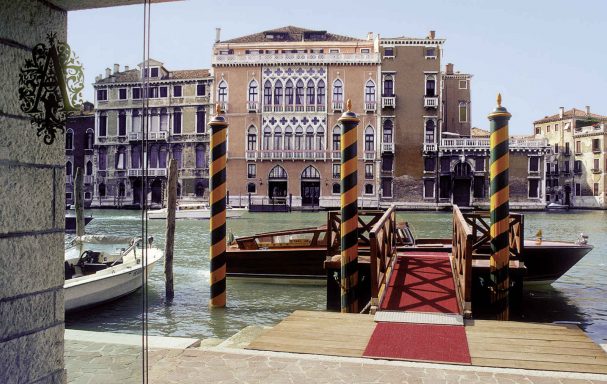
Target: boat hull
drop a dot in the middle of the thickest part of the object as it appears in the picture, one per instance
(193, 213)
(286, 263)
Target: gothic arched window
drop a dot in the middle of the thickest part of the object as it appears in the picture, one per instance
(338, 91)
(369, 139)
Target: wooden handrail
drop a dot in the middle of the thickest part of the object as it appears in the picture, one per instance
(463, 239)
(366, 220)
(481, 227)
(382, 239)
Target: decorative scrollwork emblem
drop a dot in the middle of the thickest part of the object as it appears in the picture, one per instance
(54, 78)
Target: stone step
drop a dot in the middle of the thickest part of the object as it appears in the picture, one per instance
(243, 337)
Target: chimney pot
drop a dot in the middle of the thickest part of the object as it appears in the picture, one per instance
(126, 68)
(108, 72)
(432, 34)
(449, 69)
(561, 112)
(116, 68)
(217, 35)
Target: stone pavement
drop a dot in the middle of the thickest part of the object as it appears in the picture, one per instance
(93, 362)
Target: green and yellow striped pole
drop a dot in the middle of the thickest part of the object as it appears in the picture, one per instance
(499, 208)
(218, 209)
(349, 211)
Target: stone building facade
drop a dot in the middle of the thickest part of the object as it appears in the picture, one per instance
(575, 172)
(79, 149)
(179, 103)
(282, 92)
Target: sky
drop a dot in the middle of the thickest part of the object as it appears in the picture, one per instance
(540, 54)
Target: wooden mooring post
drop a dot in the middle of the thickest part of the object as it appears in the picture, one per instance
(349, 210)
(79, 202)
(217, 201)
(170, 230)
(499, 209)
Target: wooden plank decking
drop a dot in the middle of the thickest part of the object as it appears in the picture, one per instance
(491, 343)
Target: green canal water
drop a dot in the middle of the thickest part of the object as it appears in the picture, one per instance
(579, 296)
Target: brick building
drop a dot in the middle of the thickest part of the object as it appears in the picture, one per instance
(79, 144)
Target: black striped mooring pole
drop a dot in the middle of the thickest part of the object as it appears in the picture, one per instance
(218, 209)
(349, 211)
(499, 208)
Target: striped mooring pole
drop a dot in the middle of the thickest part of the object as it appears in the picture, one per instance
(349, 211)
(499, 164)
(217, 199)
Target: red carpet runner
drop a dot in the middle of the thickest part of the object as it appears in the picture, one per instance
(420, 282)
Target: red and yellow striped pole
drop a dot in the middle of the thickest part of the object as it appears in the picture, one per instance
(218, 209)
(499, 208)
(349, 211)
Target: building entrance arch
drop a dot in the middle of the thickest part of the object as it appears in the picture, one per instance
(462, 182)
(310, 186)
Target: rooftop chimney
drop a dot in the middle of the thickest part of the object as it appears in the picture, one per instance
(369, 36)
(217, 35)
(108, 72)
(432, 34)
(449, 69)
(126, 68)
(116, 68)
(588, 110)
(561, 112)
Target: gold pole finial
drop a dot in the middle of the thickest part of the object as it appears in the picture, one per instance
(217, 109)
(499, 99)
(349, 105)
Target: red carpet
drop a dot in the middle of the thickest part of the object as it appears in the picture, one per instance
(421, 283)
(436, 343)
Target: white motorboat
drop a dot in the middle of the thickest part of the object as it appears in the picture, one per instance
(557, 206)
(193, 211)
(102, 268)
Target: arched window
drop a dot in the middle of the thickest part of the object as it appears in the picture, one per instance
(299, 92)
(388, 125)
(338, 91)
(177, 121)
(200, 119)
(277, 139)
(278, 93)
(200, 156)
(369, 139)
(102, 159)
(336, 138)
(388, 86)
(463, 112)
(153, 156)
(310, 173)
(102, 190)
(68, 168)
(299, 138)
(267, 93)
(336, 188)
(89, 168)
(69, 139)
(267, 134)
(253, 92)
(90, 139)
(120, 158)
(277, 173)
(370, 92)
(136, 121)
(177, 154)
(162, 157)
(320, 93)
(164, 119)
(136, 156)
(222, 91)
(121, 123)
(462, 169)
(430, 86)
(154, 120)
(310, 92)
(289, 93)
(252, 139)
(288, 139)
(309, 139)
(430, 131)
(320, 139)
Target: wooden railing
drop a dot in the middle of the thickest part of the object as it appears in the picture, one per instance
(366, 220)
(463, 239)
(481, 225)
(382, 239)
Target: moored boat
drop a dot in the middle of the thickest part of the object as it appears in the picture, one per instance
(193, 211)
(102, 268)
(557, 207)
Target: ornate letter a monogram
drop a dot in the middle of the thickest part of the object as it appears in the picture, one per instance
(50, 87)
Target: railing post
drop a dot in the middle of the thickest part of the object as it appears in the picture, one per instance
(499, 209)
(349, 211)
(217, 200)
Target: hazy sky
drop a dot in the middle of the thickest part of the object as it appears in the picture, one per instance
(541, 54)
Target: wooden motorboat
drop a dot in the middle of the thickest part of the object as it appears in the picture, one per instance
(193, 211)
(103, 268)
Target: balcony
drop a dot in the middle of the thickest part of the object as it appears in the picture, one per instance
(388, 102)
(596, 150)
(387, 147)
(567, 153)
(138, 136)
(88, 179)
(577, 171)
(369, 155)
(335, 155)
(465, 144)
(270, 155)
(297, 59)
(138, 172)
(253, 106)
(387, 172)
(430, 102)
(370, 106)
(194, 172)
(338, 106)
(251, 155)
(267, 108)
(429, 147)
(69, 179)
(566, 172)
(595, 170)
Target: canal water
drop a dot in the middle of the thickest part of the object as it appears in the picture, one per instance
(579, 296)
